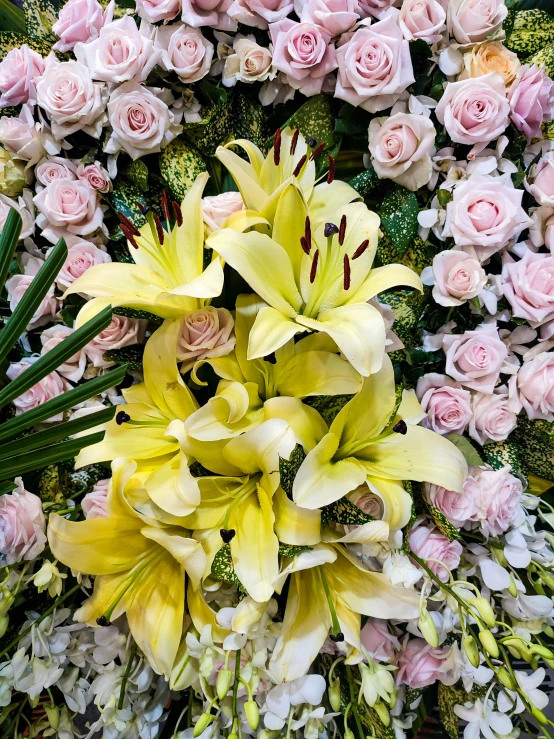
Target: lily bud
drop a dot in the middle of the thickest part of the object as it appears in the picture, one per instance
(223, 683)
(512, 588)
(428, 628)
(472, 652)
(4, 623)
(202, 724)
(334, 694)
(252, 714)
(488, 641)
(383, 713)
(539, 715)
(53, 713)
(506, 679)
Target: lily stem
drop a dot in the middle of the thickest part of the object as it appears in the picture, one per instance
(236, 690)
(126, 676)
(359, 728)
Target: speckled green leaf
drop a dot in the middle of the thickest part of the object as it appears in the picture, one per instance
(40, 16)
(120, 310)
(531, 32)
(215, 129)
(328, 405)
(249, 119)
(398, 214)
(471, 455)
(441, 522)
(548, 130)
(544, 57)
(86, 477)
(535, 441)
(121, 251)
(399, 389)
(500, 453)
(130, 355)
(448, 697)
(180, 165)
(407, 307)
(124, 198)
(289, 550)
(52, 484)
(9, 41)
(222, 566)
(417, 256)
(289, 467)
(365, 182)
(137, 174)
(345, 512)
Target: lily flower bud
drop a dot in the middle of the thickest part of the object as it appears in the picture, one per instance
(334, 694)
(223, 683)
(428, 628)
(202, 724)
(472, 652)
(252, 714)
(489, 643)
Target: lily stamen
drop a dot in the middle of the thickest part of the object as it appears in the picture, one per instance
(314, 266)
(342, 229)
(177, 212)
(128, 224)
(294, 141)
(346, 283)
(317, 151)
(165, 207)
(360, 250)
(299, 166)
(277, 147)
(308, 231)
(332, 169)
(159, 228)
(305, 246)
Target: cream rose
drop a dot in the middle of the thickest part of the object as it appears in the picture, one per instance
(541, 231)
(535, 382)
(155, 11)
(212, 13)
(24, 206)
(259, 13)
(205, 333)
(122, 331)
(422, 19)
(22, 525)
(471, 21)
(250, 63)
(458, 277)
(95, 176)
(217, 208)
(185, 51)
(80, 21)
(17, 286)
(24, 137)
(70, 205)
(490, 57)
(336, 16)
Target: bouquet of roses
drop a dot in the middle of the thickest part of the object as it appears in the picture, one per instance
(277, 368)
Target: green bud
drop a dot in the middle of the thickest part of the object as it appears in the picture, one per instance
(549, 662)
(444, 197)
(547, 579)
(514, 652)
(512, 588)
(202, 724)
(484, 609)
(252, 714)
(383, 713)
(472, 652)
(428, 628)
(223, 683)
(53, 713)
(234, 736)
(539, 715)
(334, 694)
(6, 601)
(541, 651)
(506, 679)
(548, 630)
(348, 733)
(4, 623)
(488, 641)
(33, 702)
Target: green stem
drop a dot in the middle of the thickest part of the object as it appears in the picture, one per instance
(236, 690)
(359, 728)
(334, 619)
(126, 676)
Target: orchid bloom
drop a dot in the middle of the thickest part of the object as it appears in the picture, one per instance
(308, 367)
(315, 279)
(369, 440)
(144, 576)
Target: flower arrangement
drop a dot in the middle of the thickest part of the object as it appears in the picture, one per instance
(276, 398)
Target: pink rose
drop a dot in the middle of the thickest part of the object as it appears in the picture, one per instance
(485, 212)
(184, 51)
(259, 13)
(55, 168)
(378, 640)
(74, 367)
(19, 70)
(541, 230)
(212, 13)
(475, 358)
(24, 206)
(531, 99)
(72, 101)
(80, 21)
(540, 180)
(49, 387)
(494, 417)
(142, 123)
(458, 277)
(474, 111)
(374, 66)
(122, 331)
(95, 177)
(95, 503)
(528, 286)
(374, 8)
(207, 332)
(457, 507)
(429, 544)
(401, 149)
(120, 53)
(419, 664)
(367, 501)
(71, 205)
(336, 16)
(23, 136)
(80, 257)
(155, 11)
(304, 52)
(22, 525)
(470, 21)
(535, 381)
(17, 286)
(498, 494)
(217, 208)
(446, 403)
(422, 19)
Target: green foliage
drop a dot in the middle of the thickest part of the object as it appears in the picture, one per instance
(289, 550)
(327, 405)
(12, 18)
(535, 442)
(222, 567)
(532, 31)
(448, 697)
(441, 522)
(129, 355)
(544, 57)
(180, 165)
(365, 182)
(398, 214)
(471, 455)
(500, 453)
(345, 512)
(40, 16)
(124, 198)
(289, 467)
(137, 174)
(12, 40)
(215, 128)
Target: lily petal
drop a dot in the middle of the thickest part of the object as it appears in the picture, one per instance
(396, 501)
(173, 488)
(384, 278)
(295, 525)
(271, 331)
(186, 551)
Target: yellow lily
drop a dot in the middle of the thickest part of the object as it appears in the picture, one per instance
(310, 366)
(370, 441)
(143, 576)
(315, 279)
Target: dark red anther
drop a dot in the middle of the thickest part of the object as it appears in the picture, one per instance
(144, 209)
(317, 151)
(129, 236)
(159, 228)
(165, 207)
(332, 169)
(294, 141)
(299, 166)
(308, 231)
(342, 229)
(177, 212)
(314, 266)
(306, 248)
(360, 250)
(346, 283)
(277, 147)
(128, 223)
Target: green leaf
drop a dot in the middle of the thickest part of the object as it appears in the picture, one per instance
(471, 455)
(124, 198)
(249, 119)
(290, 550)
(535, 444)
(137, 174)
(365, 182)
(129, 355)
(345, 512)
(8, 243)
(40, 16)
(544, 57)
(12, 18)
(448, 697)
(222, 567)
(7, 487)
(215, 128)
(532, 31)
(10, 40)
(352, 120)
(398, 213)
(289, 467)
(328, 405)
(500, 453)
(180, 165)
(442, 522)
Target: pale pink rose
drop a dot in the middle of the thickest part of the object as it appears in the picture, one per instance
(475, 358)
(155, 11)
(531, 99)
(374, 65)
(458, 277)
(22, 525)
(49, 387)
(378, 640)
(422, 19)
(95, 176)
(485, 212)
(374, 8)
(71, 100)
(142, 123)
(470, 21)
(336, 16)
(304, 52)
(367, 501)
(95, 503)
(429, 544)
(541, 230)
(457, 507)
(74, 367)
(121, 332)
(212, 13)
(19, 71)
(498, 493)
(535, 382)
(540, 180)
(259, 13)
(185, 51)
(217, 208)
(446, 403)
(23, 136)
(71, 205)
(493, 417)
(55, 168)
(474, 111)
(80, 257)
(419, 665)
(207, 332)
(24, 206)
(120, 53)
(401, 149)
(80, 21)
(528, 285)
(17, 286)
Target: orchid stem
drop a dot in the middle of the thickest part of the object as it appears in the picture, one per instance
(353, 702)
(126, 676)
